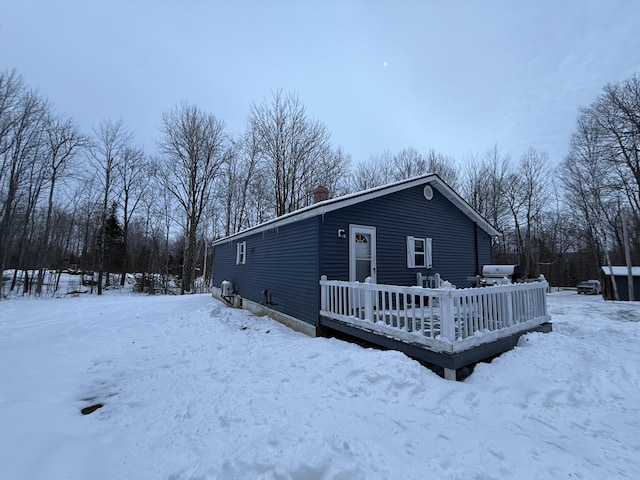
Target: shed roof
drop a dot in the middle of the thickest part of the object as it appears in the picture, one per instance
(332, 204)
(621, 271)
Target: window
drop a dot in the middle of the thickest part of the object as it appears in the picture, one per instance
(241, 253)
(418, 252)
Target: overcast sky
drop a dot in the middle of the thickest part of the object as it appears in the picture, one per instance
(455, 76)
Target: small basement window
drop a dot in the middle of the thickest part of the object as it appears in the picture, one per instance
(418, 252)
(241, 253)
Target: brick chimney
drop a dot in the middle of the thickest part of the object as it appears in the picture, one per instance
(320, 194)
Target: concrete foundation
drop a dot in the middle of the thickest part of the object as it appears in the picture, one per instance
(261, 310)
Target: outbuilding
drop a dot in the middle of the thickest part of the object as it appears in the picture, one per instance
(621, 276)
(389, 233)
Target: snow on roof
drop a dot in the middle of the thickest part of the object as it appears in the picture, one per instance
(620, 271)
(332, 204)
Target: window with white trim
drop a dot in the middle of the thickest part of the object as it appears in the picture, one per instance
(241, 253)
(418, 252)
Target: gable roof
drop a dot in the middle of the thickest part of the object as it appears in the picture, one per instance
(620, 271)
(332, 204)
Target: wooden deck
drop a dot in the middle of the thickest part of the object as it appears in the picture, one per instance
(445, 326)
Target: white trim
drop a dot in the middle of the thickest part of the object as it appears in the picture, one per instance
(241, 253)
(353, 231)
(411, 252)
(330, 205)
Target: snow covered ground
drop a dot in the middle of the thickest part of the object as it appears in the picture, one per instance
(195, 390)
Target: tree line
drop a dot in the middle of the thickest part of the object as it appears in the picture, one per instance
(96, 202)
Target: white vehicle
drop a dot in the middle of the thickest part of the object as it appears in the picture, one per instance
(592, 287)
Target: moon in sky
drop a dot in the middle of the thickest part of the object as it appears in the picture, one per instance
(386, 64)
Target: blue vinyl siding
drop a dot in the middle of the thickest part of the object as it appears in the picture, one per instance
(283, 261)
(396, 216)
(622, 284)
(288, 261)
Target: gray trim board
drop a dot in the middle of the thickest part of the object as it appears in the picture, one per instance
(452, 361)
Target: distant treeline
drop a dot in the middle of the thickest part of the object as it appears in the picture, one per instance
(99, 202)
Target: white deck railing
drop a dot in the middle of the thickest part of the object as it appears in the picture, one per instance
(444, 319)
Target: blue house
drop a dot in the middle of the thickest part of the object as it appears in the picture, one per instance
(389, 233)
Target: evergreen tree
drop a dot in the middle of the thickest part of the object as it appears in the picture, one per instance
(114, 253)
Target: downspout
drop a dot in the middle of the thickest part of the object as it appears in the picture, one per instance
(475, 239)
(319, 267)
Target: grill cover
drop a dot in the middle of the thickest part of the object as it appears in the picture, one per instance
(499, 271)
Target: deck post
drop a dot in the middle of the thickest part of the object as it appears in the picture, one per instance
(450, 374)
(448, 330)
(368, 300)
(323, 293)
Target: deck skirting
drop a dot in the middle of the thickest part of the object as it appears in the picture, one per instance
(448, 360)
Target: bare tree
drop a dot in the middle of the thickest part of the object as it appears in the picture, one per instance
(12, 89)
(333, 172)
(378, 170)
(590, 186)
(237, 184)
(153, 253)
(22, 114)
(164, 212)
(558, 241)
(112, 139)
(484, 183)
(87, 208)
(63, 141)
(193, 147)
(443, 165)
(133, 173)
(34, 175)
(293, 146)
(407, 163)
(366, 175)
(616, 114)
(534, 174)
(602, 173)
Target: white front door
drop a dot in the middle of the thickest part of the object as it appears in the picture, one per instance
(362, 253)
